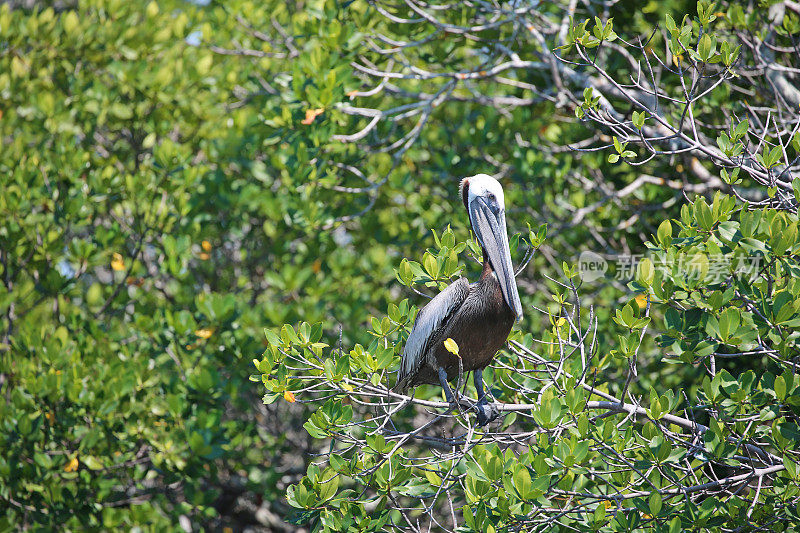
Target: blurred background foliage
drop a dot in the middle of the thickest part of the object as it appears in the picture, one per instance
(173, 183)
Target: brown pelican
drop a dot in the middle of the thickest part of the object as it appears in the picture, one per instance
(477, 316)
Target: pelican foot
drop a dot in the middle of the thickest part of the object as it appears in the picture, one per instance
(487, 412)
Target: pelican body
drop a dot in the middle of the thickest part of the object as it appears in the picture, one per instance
(477, 316)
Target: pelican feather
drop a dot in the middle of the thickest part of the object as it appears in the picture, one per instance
(431, 320)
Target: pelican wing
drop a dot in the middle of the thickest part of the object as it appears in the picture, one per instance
(429, 321)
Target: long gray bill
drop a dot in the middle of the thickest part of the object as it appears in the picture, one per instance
(491, 231)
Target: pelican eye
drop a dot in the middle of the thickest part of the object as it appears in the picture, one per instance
(492, 203)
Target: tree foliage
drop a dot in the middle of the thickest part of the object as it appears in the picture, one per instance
(126, 304)
(718, 450)
(655, 411)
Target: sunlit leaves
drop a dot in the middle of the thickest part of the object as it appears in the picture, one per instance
(621, 150)
(71, 466)
(638, 118)
(114, 130)
(664, 234)
(131, 150)
(707, 48)
(451, 346)
(770, 156)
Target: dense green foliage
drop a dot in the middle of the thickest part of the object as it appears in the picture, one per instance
(127, 315)
(736, 424)
(178, 178)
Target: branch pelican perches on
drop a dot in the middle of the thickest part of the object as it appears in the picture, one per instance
(477, 316)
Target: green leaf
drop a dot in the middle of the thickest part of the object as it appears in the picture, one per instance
(599, 514)
(522, 482)
(203, 65)
(71, 22)
(780, 388)
(728, 323)
(670, 24)
(645, 272)
(152, 9)
(272, 338)
(741, 129)
(706, 47)
(654, 503)
(638, 119)
(664, 234)
(791, 467)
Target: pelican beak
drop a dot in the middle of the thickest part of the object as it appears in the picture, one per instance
(490, 228)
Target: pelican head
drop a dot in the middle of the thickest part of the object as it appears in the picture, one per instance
(483, 197)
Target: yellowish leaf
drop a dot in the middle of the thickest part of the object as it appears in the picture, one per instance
(203, 65)
(117, 262)
(641, 300)
(70, 22)
(204, 333)
(311, 114)
(72, 465)
(152, 9)
(149, 141)
(206, 246)
(451, 346)
(19, 67)
(289, 396)
(433, 478)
